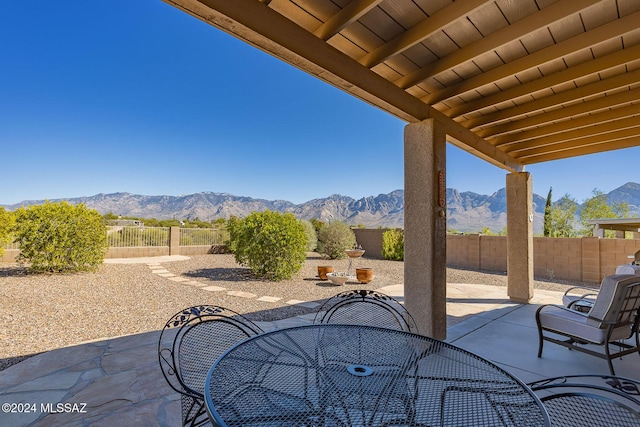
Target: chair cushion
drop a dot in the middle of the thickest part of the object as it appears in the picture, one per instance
(612, 293)
(628, 269)
(568, 322)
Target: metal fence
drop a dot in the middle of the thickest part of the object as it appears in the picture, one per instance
(203, 236)
(126, 237)
(132, 236)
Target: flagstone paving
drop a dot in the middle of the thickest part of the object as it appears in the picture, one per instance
(117, 381)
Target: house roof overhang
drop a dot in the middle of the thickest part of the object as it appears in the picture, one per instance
(620, 224)
(513, 82)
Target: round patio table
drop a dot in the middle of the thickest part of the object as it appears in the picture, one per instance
(352, 376)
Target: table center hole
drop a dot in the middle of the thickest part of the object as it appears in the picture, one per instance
(359, 370)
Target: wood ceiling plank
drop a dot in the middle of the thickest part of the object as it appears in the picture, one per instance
(596, 146)
(601, 128)
(531, 23)
(601, 103)
(420, 32)
(588, 68)
(577, 43)
(347, 15)
(567, 125)
(515, 10)
(578, 93)
(604, 11)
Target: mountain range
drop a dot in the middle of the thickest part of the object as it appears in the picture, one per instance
(466, 211)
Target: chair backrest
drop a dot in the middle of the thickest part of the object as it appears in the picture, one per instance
(202, 334)
(617, 303)
(366, 307)
(593, 400)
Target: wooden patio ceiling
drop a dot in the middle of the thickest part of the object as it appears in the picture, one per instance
(514, 82)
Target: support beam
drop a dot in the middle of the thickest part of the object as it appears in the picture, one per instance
(520, 237)
(425, 221)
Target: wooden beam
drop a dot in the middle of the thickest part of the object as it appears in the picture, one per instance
(582, 41)
(568, 96)
(594, 66)
(347, 16)
(566, 125)
(607, 129)
(257, 24)
(596, 145)
(515, 31)
(420, 31)
(601, 103)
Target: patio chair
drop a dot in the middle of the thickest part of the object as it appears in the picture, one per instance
(365, 307)
(593, 400)
(189, 344)
(580, 298)
(613, 318)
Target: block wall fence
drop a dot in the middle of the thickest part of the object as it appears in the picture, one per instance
(585, 259)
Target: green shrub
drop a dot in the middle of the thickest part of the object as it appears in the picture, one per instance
(60, 237)
(6, 223)
(272, 244)
(312, 236)
(335, 238)
(393, 245)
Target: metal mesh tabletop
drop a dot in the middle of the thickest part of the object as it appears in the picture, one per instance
(350, 375)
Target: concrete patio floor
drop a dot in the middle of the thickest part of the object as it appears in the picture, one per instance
(118, 381)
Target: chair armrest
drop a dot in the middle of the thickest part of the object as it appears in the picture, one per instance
(584, 292)
(560, 307)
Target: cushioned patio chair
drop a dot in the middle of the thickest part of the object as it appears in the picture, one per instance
(189, 344)
(365, 307)
(613, 318)
(580, 298)
(590, 400)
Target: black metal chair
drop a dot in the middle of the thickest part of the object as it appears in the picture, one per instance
(614, 318)
(189, 344)
(366, 307)
(593, 400)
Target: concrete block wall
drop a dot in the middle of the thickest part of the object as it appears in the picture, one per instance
(371, 241)
(585, 259)
(493, 253)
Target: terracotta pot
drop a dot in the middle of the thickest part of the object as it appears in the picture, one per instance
(364, 275)
(323, 270)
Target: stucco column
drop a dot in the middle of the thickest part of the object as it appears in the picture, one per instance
(174, 240)
(520, 237)
(425, 224)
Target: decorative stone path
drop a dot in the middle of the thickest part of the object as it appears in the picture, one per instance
(160, 270)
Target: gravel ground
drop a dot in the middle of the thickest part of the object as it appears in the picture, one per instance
(41, 312)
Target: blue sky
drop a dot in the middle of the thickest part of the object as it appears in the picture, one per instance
(139, 97)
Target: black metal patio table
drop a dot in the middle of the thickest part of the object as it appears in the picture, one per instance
(353, 376)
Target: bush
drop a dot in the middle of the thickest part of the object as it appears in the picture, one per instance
(393, 245)
(272, 244)
(312, 236)
(6, 223)
(335, 238)
(60, 237)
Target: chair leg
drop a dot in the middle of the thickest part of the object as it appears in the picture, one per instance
(609, 361)
(540, 342)
(540, 337)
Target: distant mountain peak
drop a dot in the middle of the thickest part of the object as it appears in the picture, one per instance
(466, 211)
